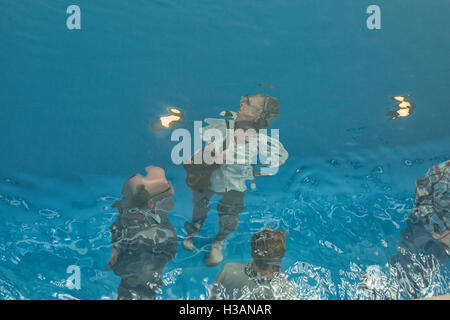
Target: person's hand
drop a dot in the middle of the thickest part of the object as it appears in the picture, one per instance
(257, 174)
(111, 227)
(113, 258)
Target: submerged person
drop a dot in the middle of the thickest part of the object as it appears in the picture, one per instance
(228, 180)
(143, 239)
(425, 241)
(428, 229)
(260, 279)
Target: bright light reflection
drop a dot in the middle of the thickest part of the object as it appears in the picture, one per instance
(167, 120)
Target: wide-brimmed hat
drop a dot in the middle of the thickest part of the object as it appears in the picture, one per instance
(152, 186)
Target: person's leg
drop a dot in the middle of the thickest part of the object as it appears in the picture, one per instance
(125, 292)
(132, 287)
(145, 281)
(199, 214)
(228, 208)
(151, 276)
(137, 288)
(125, 268)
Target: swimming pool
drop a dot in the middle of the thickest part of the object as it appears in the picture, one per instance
(78, 107)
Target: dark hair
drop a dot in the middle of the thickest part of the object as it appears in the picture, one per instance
(268, 246)
(271, 109)
(141, 197)
(272, 106)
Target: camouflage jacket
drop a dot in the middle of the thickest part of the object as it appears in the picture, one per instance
(432, 201)
(140, 229)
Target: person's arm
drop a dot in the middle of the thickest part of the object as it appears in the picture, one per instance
(117, 241)
(113, 258)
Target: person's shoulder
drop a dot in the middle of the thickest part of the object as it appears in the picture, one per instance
(231, 272)
(233, 267)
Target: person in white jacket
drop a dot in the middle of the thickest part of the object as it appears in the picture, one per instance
(229, 179)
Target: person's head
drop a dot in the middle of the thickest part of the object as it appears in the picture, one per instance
(256, 110)
(145, 191)
(268, 246)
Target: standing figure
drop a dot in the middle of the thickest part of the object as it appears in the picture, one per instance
(228, 179)
(143, 239)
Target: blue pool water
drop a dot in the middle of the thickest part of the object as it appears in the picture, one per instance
(76, 109)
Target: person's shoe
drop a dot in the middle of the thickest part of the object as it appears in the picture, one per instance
(188, 243)
(215, 256)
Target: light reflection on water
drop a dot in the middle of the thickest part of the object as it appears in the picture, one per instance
(343, 218)
(343, 213)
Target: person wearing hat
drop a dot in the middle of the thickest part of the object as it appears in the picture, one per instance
(228, 180)
(260, 279)
(143, 239)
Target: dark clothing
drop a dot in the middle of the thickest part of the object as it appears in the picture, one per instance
(146, 242)
(424, 246)
(417, 255)
(229, 207)
(432, 201)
